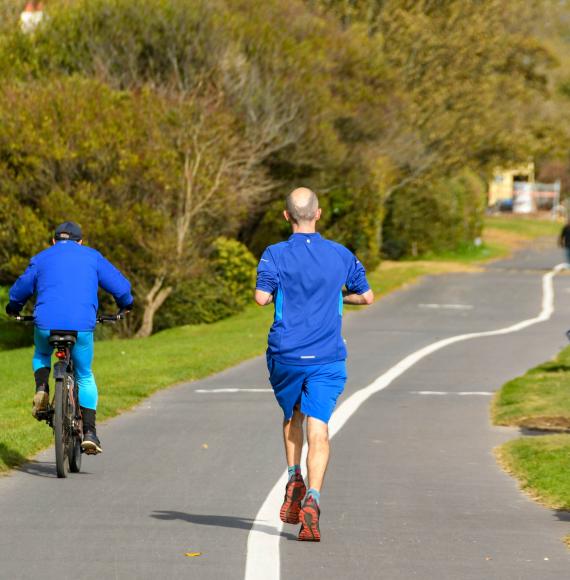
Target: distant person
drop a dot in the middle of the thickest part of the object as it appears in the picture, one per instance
(65, 279)
(308, 279)
(31, 17)
(564, 241)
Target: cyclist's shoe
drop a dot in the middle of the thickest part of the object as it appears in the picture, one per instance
(40, 404)
(91, 444)
(295, 491)
(309, 516)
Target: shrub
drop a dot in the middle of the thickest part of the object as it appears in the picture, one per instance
(434, 217)
(12, 334)
(223, 288)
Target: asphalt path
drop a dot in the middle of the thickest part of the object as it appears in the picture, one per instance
(412, 491)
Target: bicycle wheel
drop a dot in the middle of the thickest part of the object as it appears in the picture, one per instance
(75, 442)
(75, 455)
(60, 428)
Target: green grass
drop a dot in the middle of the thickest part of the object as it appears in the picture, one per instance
(524, 226)
(470, 253)
(542, 465)
(539, 399)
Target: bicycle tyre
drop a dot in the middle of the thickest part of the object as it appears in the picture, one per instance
(75, 455)
(75, 443)
(59, 428)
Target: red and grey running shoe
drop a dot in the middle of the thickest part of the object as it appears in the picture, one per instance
(309, 517)
(295, 491)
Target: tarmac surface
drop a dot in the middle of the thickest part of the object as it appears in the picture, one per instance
(413, 489)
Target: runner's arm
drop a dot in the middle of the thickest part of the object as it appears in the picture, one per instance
(262, 298)
(358, 299)
(358, 290)
(267, 279)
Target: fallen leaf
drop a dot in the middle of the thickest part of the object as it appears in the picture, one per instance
(204, 446)
(193, 554)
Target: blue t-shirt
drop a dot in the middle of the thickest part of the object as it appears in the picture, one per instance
(306, 275)
(65, 279)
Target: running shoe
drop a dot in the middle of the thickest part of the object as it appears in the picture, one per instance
(309, 517)
(295, 491)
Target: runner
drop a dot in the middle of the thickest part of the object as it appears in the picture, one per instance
(304, 278)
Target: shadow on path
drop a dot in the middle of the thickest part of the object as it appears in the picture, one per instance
(38, 468)
(562, 515)
(15, 460)
(220, 521)
(11, 457)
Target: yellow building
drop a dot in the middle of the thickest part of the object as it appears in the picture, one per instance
(502, 185)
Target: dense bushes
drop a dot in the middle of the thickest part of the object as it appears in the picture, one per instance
(12, 334)
(164, 124)
(222, 289)
(437, 217)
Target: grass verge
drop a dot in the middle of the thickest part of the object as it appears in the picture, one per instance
(526, 227)
(541, 464)
(127, 371)
(539, 400)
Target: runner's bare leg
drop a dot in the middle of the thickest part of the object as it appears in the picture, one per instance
(318, 456)
(293, 438)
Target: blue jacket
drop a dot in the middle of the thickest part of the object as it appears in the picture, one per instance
(306, 275)
(65, 279)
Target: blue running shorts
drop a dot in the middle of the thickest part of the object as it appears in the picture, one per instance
(315, 388)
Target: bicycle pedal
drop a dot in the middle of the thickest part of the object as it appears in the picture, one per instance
(41, 415)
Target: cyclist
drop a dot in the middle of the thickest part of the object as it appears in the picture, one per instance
(304, 277)
(65, 278)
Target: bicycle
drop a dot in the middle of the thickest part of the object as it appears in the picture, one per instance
(63, 413)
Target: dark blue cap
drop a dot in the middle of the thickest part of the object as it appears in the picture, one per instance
(68, 231)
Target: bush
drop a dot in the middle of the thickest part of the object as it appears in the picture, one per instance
(222, 289)
(435, 217)
(12, 334)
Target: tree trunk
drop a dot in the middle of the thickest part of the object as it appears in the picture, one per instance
(153, 301)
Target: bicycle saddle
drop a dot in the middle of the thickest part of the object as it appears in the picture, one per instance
(68, 337)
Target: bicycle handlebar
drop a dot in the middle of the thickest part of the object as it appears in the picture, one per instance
(110, 317)
(100, 319)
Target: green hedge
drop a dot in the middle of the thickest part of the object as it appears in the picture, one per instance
(221, 290)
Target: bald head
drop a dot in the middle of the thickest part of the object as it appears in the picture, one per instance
(302, 205)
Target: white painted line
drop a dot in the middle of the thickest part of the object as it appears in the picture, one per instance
(447, 306)
(262, 560)
(460, 393)
(232, 390)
